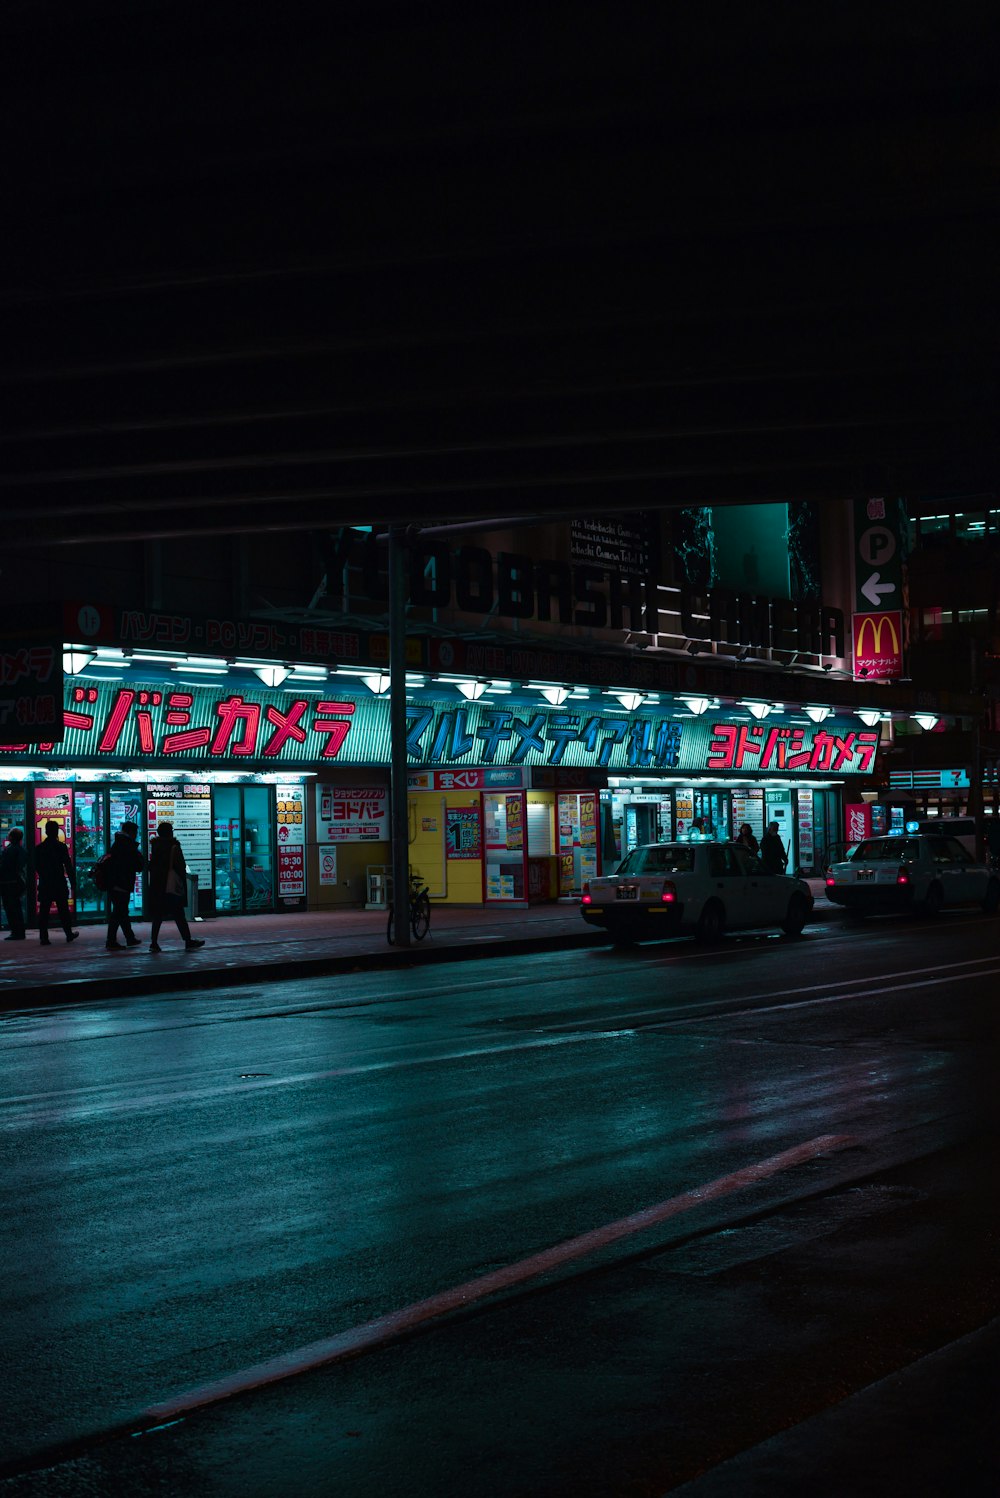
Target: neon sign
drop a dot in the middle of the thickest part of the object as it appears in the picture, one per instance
(754, 747)
(204, 727)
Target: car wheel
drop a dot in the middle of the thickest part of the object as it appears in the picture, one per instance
(711, 922)
(992, 900)
(932, 902)
(798, 914)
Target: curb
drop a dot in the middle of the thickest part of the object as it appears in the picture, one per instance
(136, 985)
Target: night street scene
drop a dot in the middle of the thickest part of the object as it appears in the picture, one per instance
(499, 752)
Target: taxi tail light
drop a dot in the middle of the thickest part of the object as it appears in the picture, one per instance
(586, 898)
(668, 894)
(830, 881)
(902, 877)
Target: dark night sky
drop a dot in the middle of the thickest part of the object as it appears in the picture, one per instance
(543, 258)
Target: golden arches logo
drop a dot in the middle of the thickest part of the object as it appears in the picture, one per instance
(886, 621)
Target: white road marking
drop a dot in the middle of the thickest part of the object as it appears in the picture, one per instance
(620, 1026)
(619, 1019)
(384, 1329)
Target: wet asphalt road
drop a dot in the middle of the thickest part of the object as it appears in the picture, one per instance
(193, 1184)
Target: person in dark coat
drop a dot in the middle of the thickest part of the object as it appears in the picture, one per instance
(167, 887)
(773, 857)
(747, 840)
(56, 876)
(13, 862)
(124, 862)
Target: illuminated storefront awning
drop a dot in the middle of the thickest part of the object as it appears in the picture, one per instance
(111, 725)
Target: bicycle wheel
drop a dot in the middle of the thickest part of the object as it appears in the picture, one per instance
(420, 918)
(390, 933)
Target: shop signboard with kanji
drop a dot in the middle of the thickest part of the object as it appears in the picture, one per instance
(463, 832)
(474, 746)
(878, 646)
(352, 814)
(291, 838)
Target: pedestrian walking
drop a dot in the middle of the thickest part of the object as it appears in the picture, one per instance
(167, 887)
(124, 861)
(747, 840)
(56, 877)
(773, 858)
(13, 862)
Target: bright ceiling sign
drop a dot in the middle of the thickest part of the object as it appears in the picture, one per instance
(112, 725)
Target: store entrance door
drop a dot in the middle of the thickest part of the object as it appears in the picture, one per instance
(243, 837)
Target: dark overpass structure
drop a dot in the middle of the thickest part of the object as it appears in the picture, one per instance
(363, 264)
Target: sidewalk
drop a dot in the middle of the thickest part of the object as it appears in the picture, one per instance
(271, 948)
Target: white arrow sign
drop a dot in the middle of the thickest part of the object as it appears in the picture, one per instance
(873, 590)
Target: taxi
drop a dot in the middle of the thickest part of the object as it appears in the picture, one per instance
(704, 888)
(915, 871)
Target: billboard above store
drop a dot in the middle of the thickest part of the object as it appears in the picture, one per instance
(111, 725)
(31, 678)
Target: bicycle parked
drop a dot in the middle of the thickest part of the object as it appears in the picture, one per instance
(420, 910)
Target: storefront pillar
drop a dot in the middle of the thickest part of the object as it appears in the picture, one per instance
(397, 736)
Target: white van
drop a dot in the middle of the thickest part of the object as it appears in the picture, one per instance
(964, 828)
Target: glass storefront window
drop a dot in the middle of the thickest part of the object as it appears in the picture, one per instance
(226, 838)
(258, 875)
(970, 525)
(242, 838)
(934, 530)
(89, 844)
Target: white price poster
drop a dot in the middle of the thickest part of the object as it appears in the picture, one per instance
(352, 814)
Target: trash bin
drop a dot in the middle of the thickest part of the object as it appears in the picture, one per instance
(379, 881)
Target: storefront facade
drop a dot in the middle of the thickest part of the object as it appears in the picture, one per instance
(281, 798)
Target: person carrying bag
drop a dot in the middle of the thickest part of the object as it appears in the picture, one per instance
(168, 887)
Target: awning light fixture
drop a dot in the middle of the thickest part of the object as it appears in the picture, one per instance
(273, 676)
(75, 661)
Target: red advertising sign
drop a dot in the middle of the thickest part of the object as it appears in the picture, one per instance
(878, 646)
(857, 821)
(515, 822)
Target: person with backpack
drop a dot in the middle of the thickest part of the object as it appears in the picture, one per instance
(56, 877)
(118, 869)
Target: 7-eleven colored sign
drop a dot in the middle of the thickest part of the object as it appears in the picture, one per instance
(878, 646)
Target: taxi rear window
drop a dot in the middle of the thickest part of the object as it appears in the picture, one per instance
(886, 850)
(665, 858)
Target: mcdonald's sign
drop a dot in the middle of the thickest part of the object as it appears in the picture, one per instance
(878, 646)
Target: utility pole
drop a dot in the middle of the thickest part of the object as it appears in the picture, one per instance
(400, 820)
